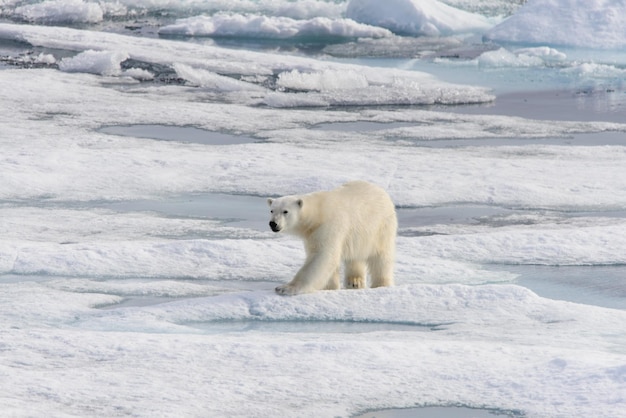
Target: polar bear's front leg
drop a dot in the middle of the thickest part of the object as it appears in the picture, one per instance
(313, 275)
(287, 289)
(355, 283)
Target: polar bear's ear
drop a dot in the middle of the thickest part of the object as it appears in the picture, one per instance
(300, 202)
(269, 201)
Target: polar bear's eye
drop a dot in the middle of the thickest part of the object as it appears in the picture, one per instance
(271, 211)
(285, 212)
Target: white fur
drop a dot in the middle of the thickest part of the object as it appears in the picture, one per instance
(354, 224)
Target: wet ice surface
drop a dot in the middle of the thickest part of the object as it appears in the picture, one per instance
(135, 245)
(598, 285)
(439, 412)
(241, 210)
(177, 133)
(307, 327)
(595, 139)
(608, 105)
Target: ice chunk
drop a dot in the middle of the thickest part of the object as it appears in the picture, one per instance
(349, 87)
(60, 11)
(237, 25)
(138, 74)
(94, 62)
(208, 79)
(579, 23)
(595, 71)
(400, 92)
(416, 17)
(505, 58)
(543, 52)
(45, 59)
(116, 9)
(523, 57)
(322, 81)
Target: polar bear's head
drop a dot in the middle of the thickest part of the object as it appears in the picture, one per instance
(285, 213)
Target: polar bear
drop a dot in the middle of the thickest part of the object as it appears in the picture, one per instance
(355, 224)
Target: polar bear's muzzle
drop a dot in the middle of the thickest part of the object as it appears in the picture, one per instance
(274, 226)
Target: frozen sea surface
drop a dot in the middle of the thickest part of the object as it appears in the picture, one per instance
(136, 265)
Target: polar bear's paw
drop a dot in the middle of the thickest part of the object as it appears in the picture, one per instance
(287, 290)
(355, 283)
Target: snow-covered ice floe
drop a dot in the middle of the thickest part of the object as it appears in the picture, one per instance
(490, 345)
(58, 12)
(253, 72)
(365, 19)
(258, 26)
(140, 167)
(88, 12)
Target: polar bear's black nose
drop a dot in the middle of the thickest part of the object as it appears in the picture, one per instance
(274, 226)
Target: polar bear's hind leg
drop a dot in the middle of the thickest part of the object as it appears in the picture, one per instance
(355, 274)
(381, 270)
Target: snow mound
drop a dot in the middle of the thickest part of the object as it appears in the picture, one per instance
(579, 23)
(416, 17)
(274, 27)
(94, 62)
(138, 74)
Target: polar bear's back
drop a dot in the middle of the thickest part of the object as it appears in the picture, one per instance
(363, 215)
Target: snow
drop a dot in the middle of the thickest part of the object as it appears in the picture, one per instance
(416, 17)
(579, 23)
(116, 304)
(255, 26)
